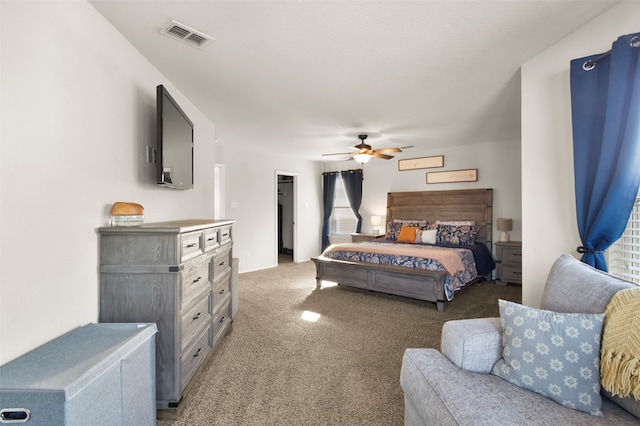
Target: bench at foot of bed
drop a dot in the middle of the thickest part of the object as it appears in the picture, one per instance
(417, 284)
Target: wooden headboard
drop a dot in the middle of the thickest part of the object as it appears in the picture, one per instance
(463, 204)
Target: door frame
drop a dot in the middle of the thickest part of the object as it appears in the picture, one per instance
(296, 251)
(219, 186)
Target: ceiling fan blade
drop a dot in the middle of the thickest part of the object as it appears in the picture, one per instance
(340, 153)
(383, 156)
(387, 150)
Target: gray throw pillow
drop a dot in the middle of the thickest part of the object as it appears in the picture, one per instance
(554, 354)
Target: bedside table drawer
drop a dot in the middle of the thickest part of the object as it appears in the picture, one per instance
(511, 254)
(509, 262)
(511, 273)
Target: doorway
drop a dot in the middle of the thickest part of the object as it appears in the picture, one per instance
(286, 187)
(218, 191)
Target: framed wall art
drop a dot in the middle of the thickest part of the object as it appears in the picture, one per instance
(421, 163)
(467, 175)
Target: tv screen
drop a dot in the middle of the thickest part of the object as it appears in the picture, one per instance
(175, 143)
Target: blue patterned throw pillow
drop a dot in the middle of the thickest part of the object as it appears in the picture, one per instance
(554, 354)
(461, 235)
(393, 231)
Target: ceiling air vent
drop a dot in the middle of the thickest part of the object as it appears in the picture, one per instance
(187, 35)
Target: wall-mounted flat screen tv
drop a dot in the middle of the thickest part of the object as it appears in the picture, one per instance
(174, 150)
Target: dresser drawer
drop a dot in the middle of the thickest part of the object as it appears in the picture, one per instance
(211, 239)
(195, 354)
(194, 280)
(190, 245)
(194, 317)
(221, 320)
(221, 264)
(224, 235)
(221, 292)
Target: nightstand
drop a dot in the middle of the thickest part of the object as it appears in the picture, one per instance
(356, 238)
(509, 262)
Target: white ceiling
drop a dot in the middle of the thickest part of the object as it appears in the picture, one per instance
(303, 78)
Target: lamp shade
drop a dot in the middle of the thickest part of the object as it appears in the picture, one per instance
(505, 224)
(362, 158)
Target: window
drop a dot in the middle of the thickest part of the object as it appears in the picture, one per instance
(342, 220)
(624, 255)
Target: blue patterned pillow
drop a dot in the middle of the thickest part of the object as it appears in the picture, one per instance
(393, 230)
(554, 354)
(461, 235)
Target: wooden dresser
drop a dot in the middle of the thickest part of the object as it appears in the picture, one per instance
(177, 275)
(509, 262)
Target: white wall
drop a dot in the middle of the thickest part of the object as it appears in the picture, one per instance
(548, 198)
(251, 200)
(498, 165)
(78, 109)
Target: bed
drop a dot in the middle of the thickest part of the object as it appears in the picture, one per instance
(428, 281)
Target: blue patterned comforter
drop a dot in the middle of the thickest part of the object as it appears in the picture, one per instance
(451, 283)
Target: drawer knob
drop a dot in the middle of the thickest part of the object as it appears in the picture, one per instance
(197, 352)
(198, 315)
(211, 239)
(222, 263)
(196, 280)
(223, 319)
(222, 291)
(191, 245)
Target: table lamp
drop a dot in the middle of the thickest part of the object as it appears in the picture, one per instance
(375, 223)
(505, 225)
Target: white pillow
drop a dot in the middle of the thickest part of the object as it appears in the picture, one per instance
(428, 236)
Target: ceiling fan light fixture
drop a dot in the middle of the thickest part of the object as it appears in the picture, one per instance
(363, 152)
(362, 158)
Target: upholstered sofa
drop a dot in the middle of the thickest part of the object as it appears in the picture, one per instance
(456, 387)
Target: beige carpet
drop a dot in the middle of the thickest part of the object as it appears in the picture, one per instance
(275, 368)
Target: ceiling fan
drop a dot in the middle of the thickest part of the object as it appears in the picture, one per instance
(363, 152)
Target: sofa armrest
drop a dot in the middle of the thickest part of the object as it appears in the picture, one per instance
(472, 344)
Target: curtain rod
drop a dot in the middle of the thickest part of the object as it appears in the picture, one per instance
(342, 171)
(591, 63)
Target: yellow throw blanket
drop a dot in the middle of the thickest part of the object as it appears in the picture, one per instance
(620, 352)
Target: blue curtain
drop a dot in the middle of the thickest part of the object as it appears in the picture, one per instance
(605, 107)
(353, 187)
(328, 195)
